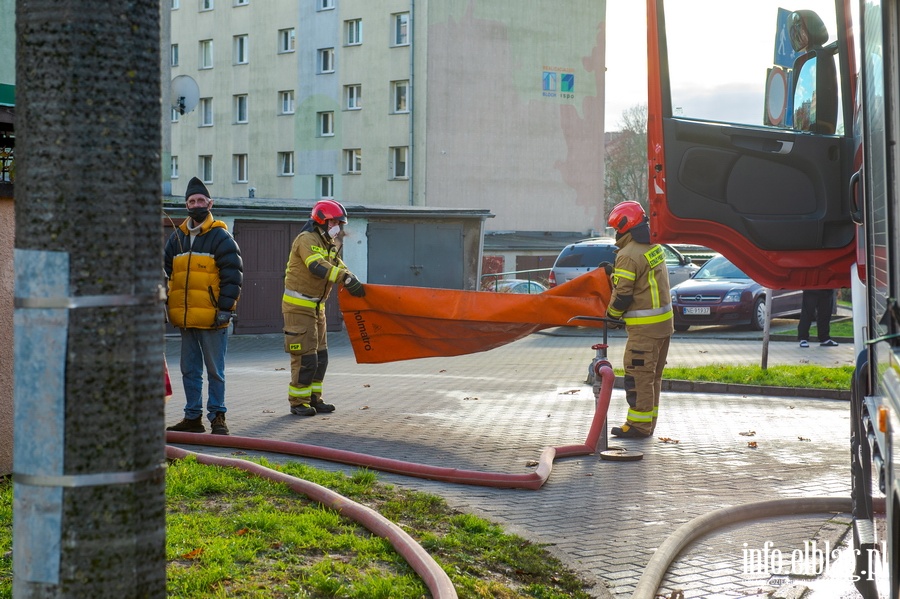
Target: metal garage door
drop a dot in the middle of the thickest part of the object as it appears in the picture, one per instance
(416, 254)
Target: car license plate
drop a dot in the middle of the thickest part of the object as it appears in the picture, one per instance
(696, 310)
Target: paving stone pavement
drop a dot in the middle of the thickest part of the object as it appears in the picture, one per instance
(495, 411)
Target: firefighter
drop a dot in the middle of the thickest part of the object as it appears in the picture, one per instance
(641, 298)
(313, 268)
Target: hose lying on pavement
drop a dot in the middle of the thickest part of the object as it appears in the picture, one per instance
(424, 565)
(690, 531)
(533, 480)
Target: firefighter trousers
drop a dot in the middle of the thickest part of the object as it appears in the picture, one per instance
(645, 358)
(305, 339)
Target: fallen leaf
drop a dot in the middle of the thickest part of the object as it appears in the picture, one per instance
(268, 411)
(193, 554)
(703, 351)
(752, 444)
(803, 439)
(569, 392)
(470, 398)
(242, 532)
(279, 369)
(748, 434)
(531, 463)
(442, 371)
(367, 385)
(668, 440)
(364, 408)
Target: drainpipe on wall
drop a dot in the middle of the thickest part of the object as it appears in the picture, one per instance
(412, 63)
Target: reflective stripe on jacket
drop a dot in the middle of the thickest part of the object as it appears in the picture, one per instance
(303, 289)
(641, 288)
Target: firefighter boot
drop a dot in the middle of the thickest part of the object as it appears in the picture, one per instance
(627, 432)
(303, 409)
(320, 406)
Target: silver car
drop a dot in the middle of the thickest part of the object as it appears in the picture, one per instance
(584, 256)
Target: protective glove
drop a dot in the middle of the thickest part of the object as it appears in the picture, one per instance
(607, 267)
(352, 284)
(223, 318)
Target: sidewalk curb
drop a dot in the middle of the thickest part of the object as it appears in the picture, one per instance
(681, 386)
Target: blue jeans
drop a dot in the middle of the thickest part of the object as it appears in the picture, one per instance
(199, 347)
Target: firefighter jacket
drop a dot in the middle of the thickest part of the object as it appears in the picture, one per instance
(640, 282)
(205, 274)
(313, 267)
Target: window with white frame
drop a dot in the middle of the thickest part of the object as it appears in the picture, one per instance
(353, 93)
(326, 60)
(400, 93)
(206, 54)
(241, 171)
(206, 5)
(353, 160)
(286, 40)
(206, 112)
(205, 167)
(354, 32)
(326, 124)
(173, 167)
(401, 29)
(176, 115)
(173, 53)
(241, 49)
(326, 186)
(285, 164)
(325, 4)
(286, 102)
(176, 4)
(398, 162)
(240, 109)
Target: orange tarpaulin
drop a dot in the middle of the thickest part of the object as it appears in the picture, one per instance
(393, 323)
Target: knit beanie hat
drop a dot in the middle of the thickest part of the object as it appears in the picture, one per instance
(195, 186)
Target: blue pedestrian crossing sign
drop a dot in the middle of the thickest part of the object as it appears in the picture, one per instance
(784, 52)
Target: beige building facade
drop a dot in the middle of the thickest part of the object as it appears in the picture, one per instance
(463, 104)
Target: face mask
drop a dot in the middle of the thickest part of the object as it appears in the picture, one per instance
(198, 214)
(334, 231)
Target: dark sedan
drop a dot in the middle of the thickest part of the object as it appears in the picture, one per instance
(721, 294)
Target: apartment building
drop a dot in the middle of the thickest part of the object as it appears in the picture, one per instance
(462, 104)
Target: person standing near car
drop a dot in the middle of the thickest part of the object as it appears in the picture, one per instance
(205, 273)
(641, 298)
(312, 270)
(818, 305)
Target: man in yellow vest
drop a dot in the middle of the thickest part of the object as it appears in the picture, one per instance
(641, 298)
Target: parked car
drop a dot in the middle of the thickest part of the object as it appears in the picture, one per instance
(721, 294)
(514, 286)
(584, 256)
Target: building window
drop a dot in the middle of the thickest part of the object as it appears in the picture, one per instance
(325, 4)
(353, 159)
(326, 60)
(398, 163)
(206, 112)
(286, 100)
(241, 49)
(285, 164)
(206, 54)
(401, 90)
(240, 109)
(205, 167)
(286, 40)
(326, 124)
(176, 4)
(326, 186)
(241, 174)
(401, 29)
(176, 115)
(354, 32)
(241, 2)
(354, 96)
(173, 52)
(206, 5)
(174, 167)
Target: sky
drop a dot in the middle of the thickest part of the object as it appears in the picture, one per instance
(718, 69)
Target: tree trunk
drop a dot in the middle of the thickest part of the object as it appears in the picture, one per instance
(89, 485)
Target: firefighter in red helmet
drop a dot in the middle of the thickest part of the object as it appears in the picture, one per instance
(641, 298)
(313, 268)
